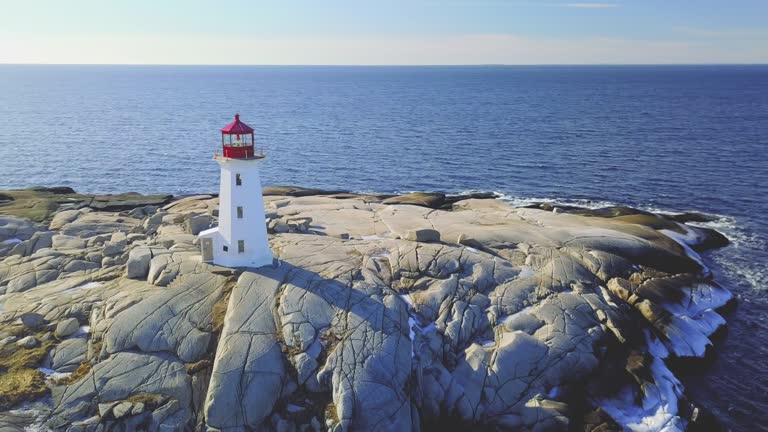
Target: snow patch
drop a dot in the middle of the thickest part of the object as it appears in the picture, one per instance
(12, 241)
(380, 254)
(82, 331)
(509, 318)
(413, 323)
(695, 319)
(53, 376)
(85, 286)
(526, 272)
(487, 343)
(658, 409)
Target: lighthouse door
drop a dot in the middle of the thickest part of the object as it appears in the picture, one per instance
(206, 244)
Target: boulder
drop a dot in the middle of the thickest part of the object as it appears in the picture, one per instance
(66, 328)
(67, 242)
(80, 265)
(39, 240)
(195, 224)
(68, 355)
(33, 320)
(63, 218)
(138, 262)
(423, 235)
(116, 245)
(121, 409)
(27, 342)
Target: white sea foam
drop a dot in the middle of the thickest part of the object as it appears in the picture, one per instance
(12, 241)
(517, 201)
(690, 238)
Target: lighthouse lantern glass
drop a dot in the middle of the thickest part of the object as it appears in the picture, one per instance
(244, 140)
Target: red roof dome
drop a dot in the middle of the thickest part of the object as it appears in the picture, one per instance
(237, 127)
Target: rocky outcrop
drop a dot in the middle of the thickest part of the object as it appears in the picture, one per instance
(382, 313)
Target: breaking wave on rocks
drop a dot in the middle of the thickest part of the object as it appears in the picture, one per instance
(734, 259)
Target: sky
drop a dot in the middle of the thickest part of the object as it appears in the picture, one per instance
(383, 32)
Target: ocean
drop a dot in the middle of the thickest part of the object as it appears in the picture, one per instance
(664, 138)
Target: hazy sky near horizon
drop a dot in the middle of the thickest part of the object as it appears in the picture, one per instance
(398, 32)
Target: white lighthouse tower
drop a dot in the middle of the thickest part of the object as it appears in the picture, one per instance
(240, 240)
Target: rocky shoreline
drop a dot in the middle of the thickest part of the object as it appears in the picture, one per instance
(411, 312)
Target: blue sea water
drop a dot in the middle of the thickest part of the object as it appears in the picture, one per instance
(669, 138)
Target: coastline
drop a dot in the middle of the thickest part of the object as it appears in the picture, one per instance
(598, 262)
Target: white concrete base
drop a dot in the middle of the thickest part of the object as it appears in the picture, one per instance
(241, 239)
(232, 258)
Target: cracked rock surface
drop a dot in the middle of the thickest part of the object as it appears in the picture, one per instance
(419, 312)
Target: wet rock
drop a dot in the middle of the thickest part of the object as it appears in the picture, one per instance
(431, 200)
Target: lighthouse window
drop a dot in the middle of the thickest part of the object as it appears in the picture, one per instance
(240, 246)
(239, 212)
(238, 180)
(226, 248)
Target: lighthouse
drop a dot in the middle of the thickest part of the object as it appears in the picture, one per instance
(240, 240)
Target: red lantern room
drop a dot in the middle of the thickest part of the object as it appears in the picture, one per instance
(237, 141)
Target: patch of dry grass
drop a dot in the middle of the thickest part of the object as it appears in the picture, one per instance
(19, 380)
(20, 385)
(330, 413)
(81, 371)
